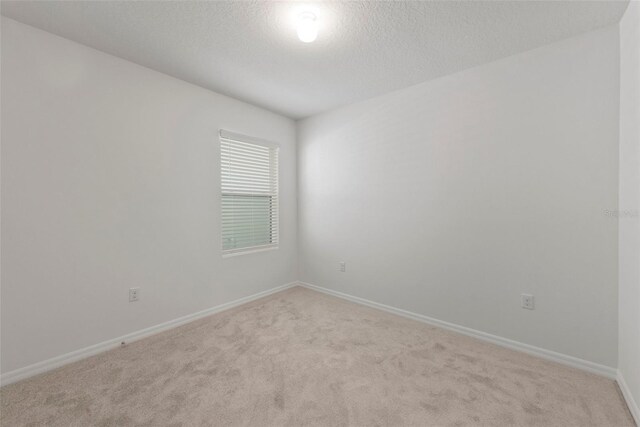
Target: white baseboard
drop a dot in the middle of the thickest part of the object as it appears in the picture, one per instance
(56, 362)
(575, 362)
(628, 397)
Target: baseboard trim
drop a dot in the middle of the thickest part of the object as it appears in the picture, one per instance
(58, 361)
(628, 397)
(564, 359)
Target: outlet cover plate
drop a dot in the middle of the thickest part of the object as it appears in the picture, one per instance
(528, 302)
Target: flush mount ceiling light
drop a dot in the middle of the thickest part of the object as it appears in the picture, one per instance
(307, 27)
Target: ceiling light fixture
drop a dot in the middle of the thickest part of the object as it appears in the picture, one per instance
(307, 27)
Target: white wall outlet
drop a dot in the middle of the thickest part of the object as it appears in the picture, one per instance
(527, 301)
(134, 294)
(342, 266)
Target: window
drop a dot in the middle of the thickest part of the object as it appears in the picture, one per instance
(249, 178)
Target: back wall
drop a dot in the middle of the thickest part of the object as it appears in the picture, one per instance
(452, 198)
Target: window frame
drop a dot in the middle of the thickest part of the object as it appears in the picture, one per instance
(273, 148)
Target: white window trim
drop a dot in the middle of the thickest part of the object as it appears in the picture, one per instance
(249, 139)
(252, 250)
(228, 253)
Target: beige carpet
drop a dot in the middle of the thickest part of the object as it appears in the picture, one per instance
(303, 358)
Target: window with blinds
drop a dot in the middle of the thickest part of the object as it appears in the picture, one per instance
(249, 177)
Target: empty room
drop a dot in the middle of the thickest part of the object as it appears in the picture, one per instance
(341, 213)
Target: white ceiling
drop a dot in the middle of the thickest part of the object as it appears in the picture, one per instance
(249, 50)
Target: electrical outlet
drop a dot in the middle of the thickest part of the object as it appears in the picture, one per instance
(527, 301)
(134, 294)
(342, 266)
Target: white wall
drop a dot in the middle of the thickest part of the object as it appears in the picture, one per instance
(629, 223)
(110, 180)
(453, 197)
(476, 187)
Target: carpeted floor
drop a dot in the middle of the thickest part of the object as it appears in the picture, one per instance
(304, 358)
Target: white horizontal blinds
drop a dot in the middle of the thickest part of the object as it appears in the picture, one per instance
(249, 193)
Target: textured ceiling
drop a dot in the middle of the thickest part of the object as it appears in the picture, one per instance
(249, 50)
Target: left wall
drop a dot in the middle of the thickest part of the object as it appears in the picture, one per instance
(110, 180)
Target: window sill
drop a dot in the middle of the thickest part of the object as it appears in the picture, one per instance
(249, 251)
